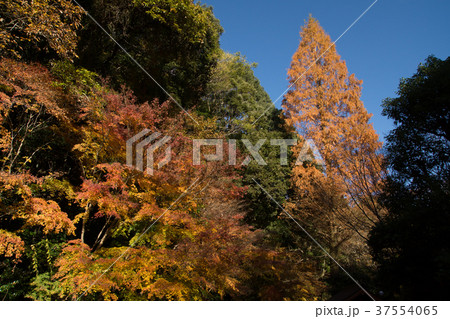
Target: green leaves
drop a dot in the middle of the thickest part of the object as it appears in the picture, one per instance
(177, 42)
(188, 18)
(235, 96)
(413, 237)
(70, 207)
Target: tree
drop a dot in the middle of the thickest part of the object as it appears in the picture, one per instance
(176, 42)
(31, 225)
(236, 98)
(40, 28)
(33, 121)
(410, 243)
(70, 207)
(338, 197)
(36, 160)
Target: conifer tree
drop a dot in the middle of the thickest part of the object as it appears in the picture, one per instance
(323, 103)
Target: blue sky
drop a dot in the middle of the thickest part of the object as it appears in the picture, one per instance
(386, 44)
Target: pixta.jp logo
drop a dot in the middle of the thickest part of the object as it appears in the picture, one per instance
(308, 152)
(146, 143)
(142, 146)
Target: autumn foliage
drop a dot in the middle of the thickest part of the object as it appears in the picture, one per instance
(176, 235)
(78, 221)
(337, 193)
(45, 27)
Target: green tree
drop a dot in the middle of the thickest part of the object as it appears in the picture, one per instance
(236, 98)
(411, 243)
(176, 42)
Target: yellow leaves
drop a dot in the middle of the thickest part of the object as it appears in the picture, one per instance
(89, 152)
(162, 289)
(17, 183)
(5, 139)
(165, 265)
(188, 18)
(231, 283)
(43, 24)
(35, 212)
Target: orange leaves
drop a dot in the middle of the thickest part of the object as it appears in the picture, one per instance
(181, 258)
(324, 106)
(74, 265)
(48, 215)
(17, 185)
(200, 249)
(30, 106)
(29, 86)
(108, 191)
(35, 212)
(11, 245)
(322, 92)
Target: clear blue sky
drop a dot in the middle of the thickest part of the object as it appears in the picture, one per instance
(386, 44)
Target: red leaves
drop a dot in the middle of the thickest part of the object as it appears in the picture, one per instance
(109, 192)
(30, 86)
(197, 247)
(30, 105)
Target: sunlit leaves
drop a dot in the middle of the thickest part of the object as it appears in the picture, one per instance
(39, 25)
(323, 105)
(177, 42)
(184, 16)
(90, 227)
(11, 245)
(19, 203)
(29, 109)
(48, 215)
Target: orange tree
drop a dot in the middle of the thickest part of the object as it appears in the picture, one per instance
(338, 197)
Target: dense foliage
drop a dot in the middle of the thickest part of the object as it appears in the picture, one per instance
(413, 238)
(334, 196)
(39, 29)
(176, 42)
(79, 221)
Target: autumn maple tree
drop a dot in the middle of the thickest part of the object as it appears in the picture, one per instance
(337, 195)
